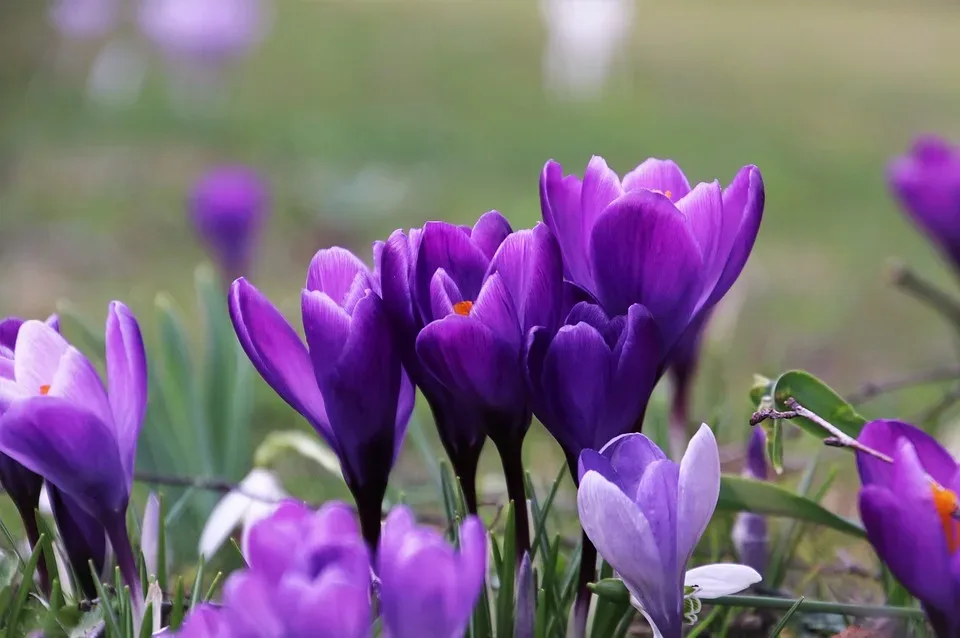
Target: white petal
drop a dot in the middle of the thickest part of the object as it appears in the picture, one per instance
(150, 534)
(300, 442)
(263, 484)
(44, 505)
(698, 492)
(224, 518)
(721, 579)
(636, 604)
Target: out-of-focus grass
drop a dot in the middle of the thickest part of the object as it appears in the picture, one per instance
(448, 96)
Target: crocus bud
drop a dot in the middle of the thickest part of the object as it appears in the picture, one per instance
(750, 533)
(926, 181)
(227, 207)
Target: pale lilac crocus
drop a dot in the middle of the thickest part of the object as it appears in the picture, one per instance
(646, 514)
(63, 424)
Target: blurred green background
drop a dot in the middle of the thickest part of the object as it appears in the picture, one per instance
(371, 115)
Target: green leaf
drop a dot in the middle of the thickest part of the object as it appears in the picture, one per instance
(26, 584)
(109, 617)
(762, 386)
(49, 558)
(612, 589)
(739, 494)
(51, 624)
(818, 397)
(540, 512)
(197, 584)
(177, 609)
(773, 428)
(775, 632)
(508, 562)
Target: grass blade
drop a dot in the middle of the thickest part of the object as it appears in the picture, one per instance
(26, 584)
(775, 633)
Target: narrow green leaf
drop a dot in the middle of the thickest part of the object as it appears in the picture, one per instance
(47, 534)
(739, 494)
(814, 606)
(109, 617)
(214, 586)
(625, 622)
(540, 532)
(775, 633)
(818, 397)
(773, 428)
(505, 602)
(177, 609)
(197, 584)
(705, 624)
(146, 627)
(26, 584)
(13, 544)
(51, 623)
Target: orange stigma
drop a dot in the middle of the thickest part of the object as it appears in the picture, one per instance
(668, 194)
(948, 509)
(44, 389)
(463, 307)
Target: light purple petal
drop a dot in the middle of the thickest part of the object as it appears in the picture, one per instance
(127, 379)
(658, 175)
(743, 200)
(326, 326)
(77, 381)
(560, 205)
(37, 354)
(530, 264)
(631, 454)
(472, 561)
(657, 497)
(278, 354)
(249, 599)
(204, 621)
(272, 540)
(642, 251)
(69, 447)
(703, 208)
(334, 271)
(335, 605)
(489, 232)
(698, 492)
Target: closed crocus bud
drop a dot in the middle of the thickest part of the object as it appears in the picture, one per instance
(63, 424)
(750, 533)
(228, 206)
(203, 32)
(926, 181)
(426, 587)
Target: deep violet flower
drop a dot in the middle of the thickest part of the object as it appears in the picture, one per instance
(349, 384)
(479, 321)
(227, 207)
(646, 514)
(926, 181)
(750, 534)
(308, 574)
(909, 509)
(61, 422)
(427, 589)
(651, 239)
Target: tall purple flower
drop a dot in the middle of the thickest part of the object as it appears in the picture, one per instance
(927, 183)
(349, 384)
(646, 514)
(750, 534)
(909, 509)
(651, 239)
(61, 422)
(427, 588)
(308, 574)
(227, 206)
(475, 341)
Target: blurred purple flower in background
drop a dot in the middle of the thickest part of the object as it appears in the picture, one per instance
(61, 423)
(208, 33)
(750, 533)
(646, 514)
(85, 19)
(349, 384)
(428, 589)
(927, 183)
(228, 206)
(910, 511)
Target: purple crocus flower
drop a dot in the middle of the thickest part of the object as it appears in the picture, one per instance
(308, 575)
(84, 19)
(927, 183)
(909, 509)
(207, 33)
(349, 384)
(651, 239)
(61, 422)
(480, 318)
(460, 426)
(750, 534)
(227, 207)
(646, 514)
(427, 588)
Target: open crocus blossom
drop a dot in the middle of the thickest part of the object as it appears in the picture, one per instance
(426, 588)
(927, 183)
(910, 510)
(349, 385)
(227, 207)
(61, 423)
(646, 514)
(308, 574)
(474, 344)
(651, 239)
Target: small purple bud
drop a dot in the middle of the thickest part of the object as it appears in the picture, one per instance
(750, 532)
(227, 207)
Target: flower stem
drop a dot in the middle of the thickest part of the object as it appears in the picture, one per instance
(120, 540)
(588, 573)
(816, 606)
(512, 460)
(369, 510)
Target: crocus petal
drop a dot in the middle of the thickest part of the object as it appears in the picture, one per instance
(656, 495)
(270, 541)
(77, 381)
(38, 352)
(472, 560)
(496, 310)
(334, 271)
(623, 536)
(337, 605)
(600, 187)
(642, 251)
(593, 461)
(703, 208)
(278, 354)
(150, 533)
(525, 615)
(127, 380)
(489, 232)
(71, 448)
(631, 454)
(83, 538)
(396, 262)
(443, 294)
(9, 328)
(658, 175)
(560, 206)
(699, 490)
(446, 246)
(7, 370)
(721, 579)
(326, 326)
(885, 435)
(251, 612)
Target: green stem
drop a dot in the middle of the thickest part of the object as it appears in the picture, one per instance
(861, 611)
